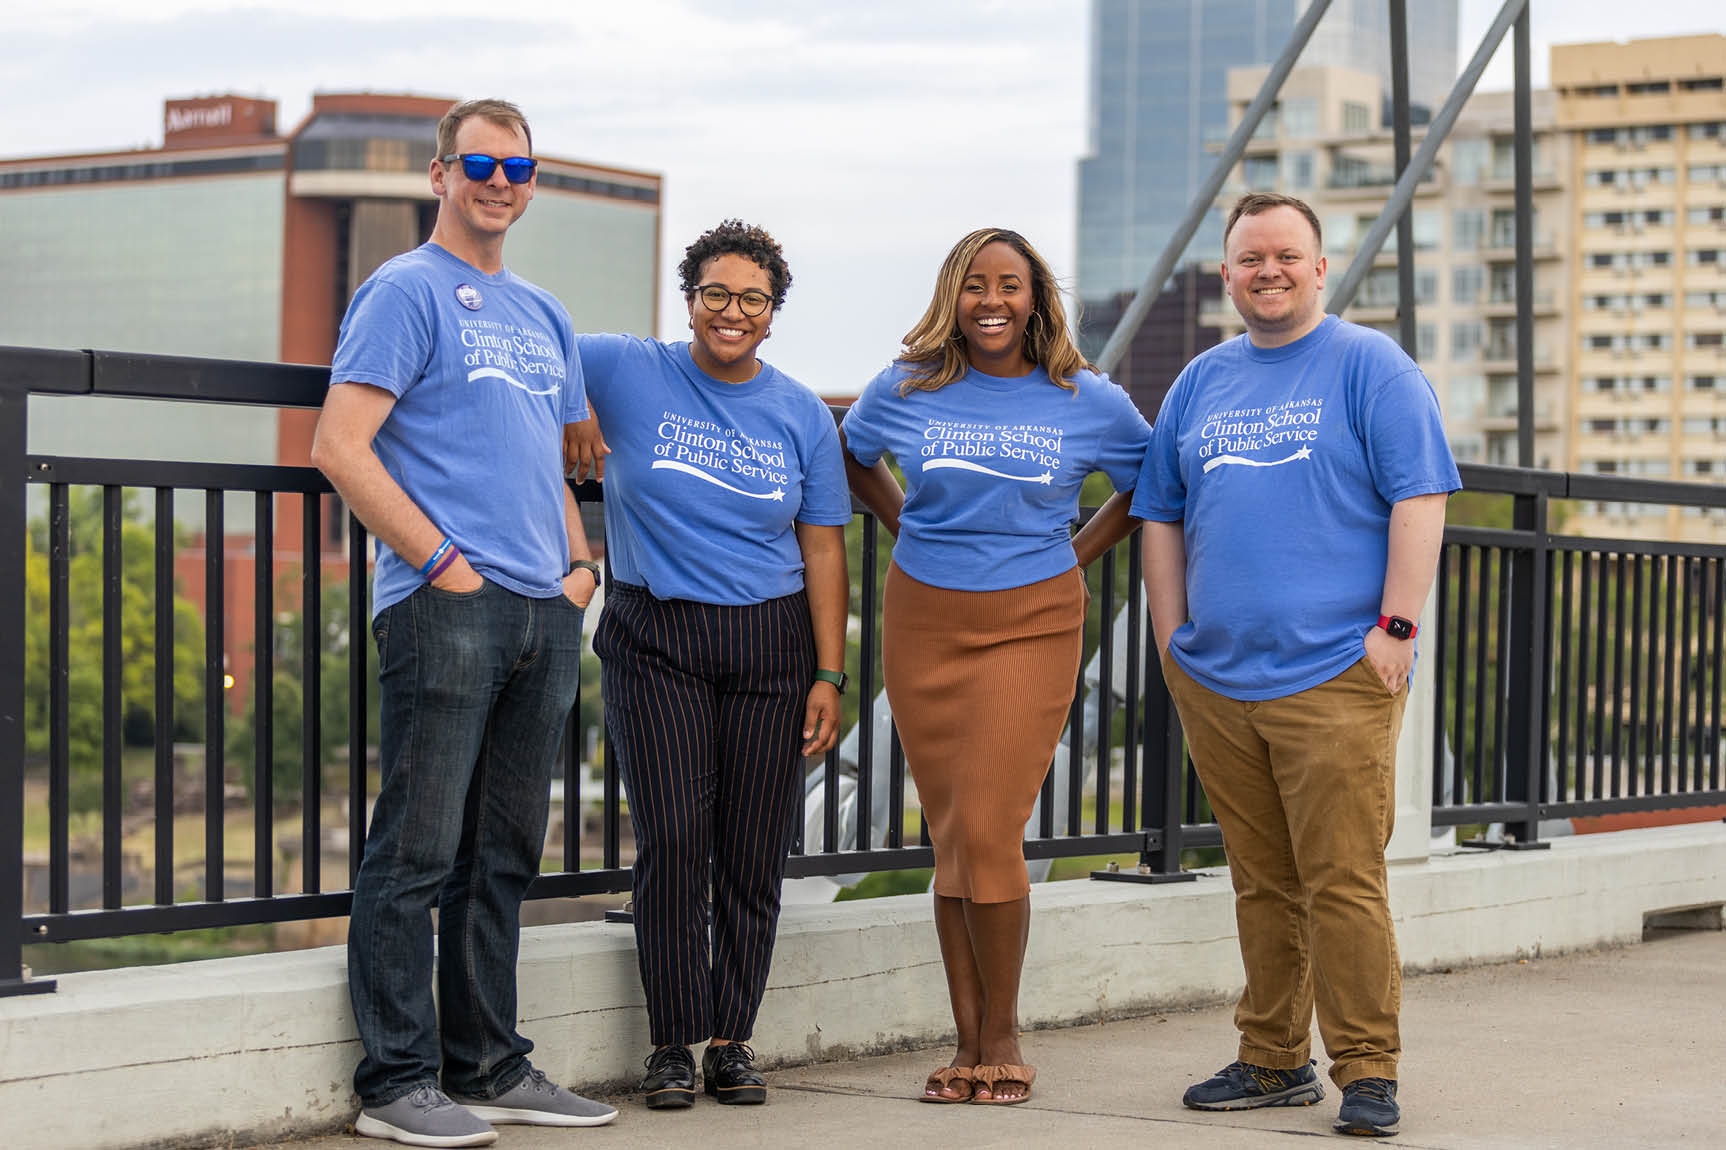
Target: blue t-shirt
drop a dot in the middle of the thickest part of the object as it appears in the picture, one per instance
(1282, 465)
(484, 372)
(993, 468)
(707, 479)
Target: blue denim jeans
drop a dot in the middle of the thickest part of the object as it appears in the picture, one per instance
(476, 689)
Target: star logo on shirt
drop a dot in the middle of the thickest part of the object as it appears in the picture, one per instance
(1241, 461)
(1046, 479)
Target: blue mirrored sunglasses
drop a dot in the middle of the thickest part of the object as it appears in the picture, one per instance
(478, 166)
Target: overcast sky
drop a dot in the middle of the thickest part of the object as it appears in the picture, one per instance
(866, 136)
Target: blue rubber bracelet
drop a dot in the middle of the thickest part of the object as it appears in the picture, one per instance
(435, 556)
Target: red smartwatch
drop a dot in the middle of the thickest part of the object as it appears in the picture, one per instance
(1397, 627)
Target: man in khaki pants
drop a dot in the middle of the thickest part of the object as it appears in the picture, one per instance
(1294, 492)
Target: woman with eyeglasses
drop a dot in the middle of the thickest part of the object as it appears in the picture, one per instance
(995, 420)
(722, 639)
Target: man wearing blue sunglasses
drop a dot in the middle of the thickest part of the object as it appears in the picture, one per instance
(442, 430)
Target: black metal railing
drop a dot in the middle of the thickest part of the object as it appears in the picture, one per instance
(1575, 676)
(70, 668)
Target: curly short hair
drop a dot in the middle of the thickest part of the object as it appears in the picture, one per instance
(734, 237)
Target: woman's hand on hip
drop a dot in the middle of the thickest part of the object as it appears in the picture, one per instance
(821, 718)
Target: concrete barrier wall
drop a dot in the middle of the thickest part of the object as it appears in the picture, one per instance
(262, 1047)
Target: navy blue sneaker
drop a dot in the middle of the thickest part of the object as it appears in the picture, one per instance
(1369, 1108)
(1243, 1086)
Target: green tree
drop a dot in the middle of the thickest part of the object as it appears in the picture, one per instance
(592, 712)
(287, 709)
(84, 640)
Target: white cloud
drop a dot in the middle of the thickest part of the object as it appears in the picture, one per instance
(869, 137)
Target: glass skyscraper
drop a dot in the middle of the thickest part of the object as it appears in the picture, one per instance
(1158, 99)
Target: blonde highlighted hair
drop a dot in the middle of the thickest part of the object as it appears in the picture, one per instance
(935, 348)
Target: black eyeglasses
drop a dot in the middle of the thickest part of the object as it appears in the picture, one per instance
(716, 298)
(478, 166)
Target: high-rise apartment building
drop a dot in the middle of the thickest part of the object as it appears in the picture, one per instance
(1648, 390)
(1159, 105)
(1324, 145)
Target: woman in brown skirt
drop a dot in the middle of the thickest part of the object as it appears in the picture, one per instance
(996, 420)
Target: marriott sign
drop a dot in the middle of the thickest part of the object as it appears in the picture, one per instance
(213, 119)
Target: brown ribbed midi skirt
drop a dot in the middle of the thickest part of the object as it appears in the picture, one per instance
(980, 683)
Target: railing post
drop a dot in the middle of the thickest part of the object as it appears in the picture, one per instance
(1407, 331)
(1163, 794)
(1163, 767)
(1523, 116)
(1526, 654)
(1416, 760)
(14, 440)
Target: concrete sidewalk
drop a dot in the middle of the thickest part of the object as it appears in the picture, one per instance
(1616, 1048)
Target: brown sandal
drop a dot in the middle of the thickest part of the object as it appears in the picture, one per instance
(986, 1078)
(945, 1077)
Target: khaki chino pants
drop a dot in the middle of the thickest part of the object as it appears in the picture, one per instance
(1304, 790)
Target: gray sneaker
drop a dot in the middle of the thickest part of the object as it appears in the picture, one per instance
(538, 1101)
(425, 1117)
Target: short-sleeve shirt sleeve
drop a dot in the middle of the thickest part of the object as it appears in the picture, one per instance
(1160, 494)
(601, 359)
(865, 434)
(386, 339)
(574, 380)
(1121, 448)
(1406, 447)
(826, 495)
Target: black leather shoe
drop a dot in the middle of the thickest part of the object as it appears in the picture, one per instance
(670, 1081)
(730, 1076)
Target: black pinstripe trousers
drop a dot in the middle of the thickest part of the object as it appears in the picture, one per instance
(704, 704)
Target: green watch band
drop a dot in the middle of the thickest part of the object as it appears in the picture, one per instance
(838, 678)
